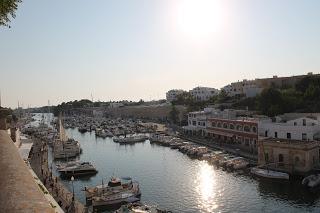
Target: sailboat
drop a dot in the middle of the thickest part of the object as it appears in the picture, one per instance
(65, 147)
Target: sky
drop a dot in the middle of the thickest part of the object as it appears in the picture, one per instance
(131, 49)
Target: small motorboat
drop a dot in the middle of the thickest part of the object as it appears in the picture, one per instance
(311, 181)
(77, 169)
(267, 173)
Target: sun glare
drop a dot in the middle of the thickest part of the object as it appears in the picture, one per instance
(200, 19)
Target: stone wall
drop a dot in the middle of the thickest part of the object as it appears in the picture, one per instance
(19, 192)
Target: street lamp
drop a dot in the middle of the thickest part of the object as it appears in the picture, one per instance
(72, 179)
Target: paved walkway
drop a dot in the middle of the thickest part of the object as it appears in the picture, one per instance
(39, 164)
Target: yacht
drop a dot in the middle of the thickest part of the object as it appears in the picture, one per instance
(125, 184)
(77, 169)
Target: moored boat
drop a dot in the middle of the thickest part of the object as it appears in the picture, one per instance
(311, 180)
(267, 173)
(125, 184)
(77, 169)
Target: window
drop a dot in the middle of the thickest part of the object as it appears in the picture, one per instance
(199, 123)
(225, 125)
(213, 124)
(194, 123)
(296, 160)
(295, 123)
(266, 157)
(266, 133)
(304, 123)
(304, 136)
(276, 134)
(288, 135)
(219, 125)
(239, 127)
(280, 158)
(246, 128)
(246, 141)
(254, 129)
(231, 126)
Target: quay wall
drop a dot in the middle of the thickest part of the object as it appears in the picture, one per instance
(19, 192)
(153, 112)
(145, 112)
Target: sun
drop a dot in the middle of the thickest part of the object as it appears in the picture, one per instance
(200, 19)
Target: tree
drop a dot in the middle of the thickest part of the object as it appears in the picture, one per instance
(222, 97)
(7, 11)
(174, 114)
(270, 102)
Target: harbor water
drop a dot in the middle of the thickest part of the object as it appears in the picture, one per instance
(180, 184)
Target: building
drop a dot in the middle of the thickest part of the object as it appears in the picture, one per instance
(251, 88)
(171, 95)
(292, 156)
(247, 88)
(197, 122)
(241, 132)
(203, 93)
(304, 128)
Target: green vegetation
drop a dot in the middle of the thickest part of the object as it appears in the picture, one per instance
(7, 11)
(304, 97)
(174, 114)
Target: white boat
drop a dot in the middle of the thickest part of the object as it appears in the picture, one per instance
(140, 208)
(124, 184)
(311, 181)
(267, 173)
(132, 139)
(77, 169)
(114, 198)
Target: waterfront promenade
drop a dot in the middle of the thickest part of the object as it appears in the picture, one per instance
(39, 164)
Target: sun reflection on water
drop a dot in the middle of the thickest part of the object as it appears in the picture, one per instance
(206, 187)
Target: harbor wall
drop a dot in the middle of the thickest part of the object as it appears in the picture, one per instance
(19, 192)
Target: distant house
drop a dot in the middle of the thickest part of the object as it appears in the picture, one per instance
(203, 93)
(172, 95)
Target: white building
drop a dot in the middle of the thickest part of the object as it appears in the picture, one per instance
(203, 93)
(115, 105)
(243, 88)
(303, 128)
(171, 95)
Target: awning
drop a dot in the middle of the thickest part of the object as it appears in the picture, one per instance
(221, 133)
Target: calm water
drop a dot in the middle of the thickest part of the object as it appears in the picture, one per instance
(175, 182)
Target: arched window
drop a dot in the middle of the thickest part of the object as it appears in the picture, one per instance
(213, 124)
(239, 127)
(246, 128)
(219, 125)
(231, 126)
(225, 125)
(254, 129)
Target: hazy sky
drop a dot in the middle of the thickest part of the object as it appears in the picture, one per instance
(130, 49)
